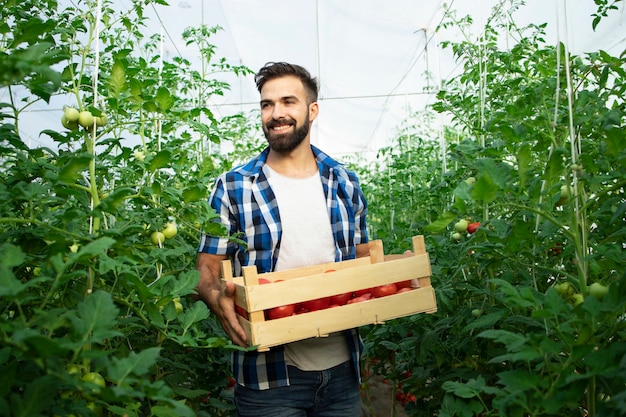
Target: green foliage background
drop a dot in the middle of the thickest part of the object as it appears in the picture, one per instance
(84, 290)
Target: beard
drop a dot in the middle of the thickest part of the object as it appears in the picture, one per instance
(286, 142)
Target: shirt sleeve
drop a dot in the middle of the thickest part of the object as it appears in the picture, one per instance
(360, 212)
(220, 202)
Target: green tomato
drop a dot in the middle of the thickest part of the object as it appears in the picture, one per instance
(101, 120)
(157, 238)
(598, 290)
(86, 119)
(461, 225)
(477, 312)
(577, 299)
(94, 377)
(470, 181)
(170, 230)
(67, 124)
(71, 114)
(456, 236)
(564, 289)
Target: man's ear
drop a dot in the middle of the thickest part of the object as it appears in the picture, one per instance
(314, 110)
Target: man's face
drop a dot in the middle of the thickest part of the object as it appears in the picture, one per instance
(286, 115)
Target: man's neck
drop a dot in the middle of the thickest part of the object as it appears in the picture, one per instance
(299, 163)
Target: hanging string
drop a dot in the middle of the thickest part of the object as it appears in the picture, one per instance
(96, 72)
(576, 150)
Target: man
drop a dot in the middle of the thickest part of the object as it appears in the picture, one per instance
(295, 206)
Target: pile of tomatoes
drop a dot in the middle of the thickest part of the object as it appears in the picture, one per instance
(336, 300)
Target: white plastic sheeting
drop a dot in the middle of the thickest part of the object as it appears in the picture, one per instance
(376, 61)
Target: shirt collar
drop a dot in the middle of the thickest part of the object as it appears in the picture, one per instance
(254, 167)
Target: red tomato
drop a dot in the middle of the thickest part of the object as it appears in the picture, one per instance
(264, 281)
(362, 292)
(340, 299)
(384, 290)
(404, 284)
(243, 313)
(472, 227)
(317, 304)
(329, 270)
(280, 312)
(405, 289)
(362, 298)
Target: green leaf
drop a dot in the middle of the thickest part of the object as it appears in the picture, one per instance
(95, 318)
(196, 313)
(95, 248)
(164, 99)
(117, 82)
(11, 255)
(442, 222)
(520, 380)
(485, 188)
(38, 398)
(196, 192)
(73, 167)
(160, 160)
(137, 364)
(512, 341)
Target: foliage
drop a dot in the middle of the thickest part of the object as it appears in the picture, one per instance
(517, 332)
(95, 316)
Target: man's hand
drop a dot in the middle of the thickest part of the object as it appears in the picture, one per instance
(219, 296)
(225, 312)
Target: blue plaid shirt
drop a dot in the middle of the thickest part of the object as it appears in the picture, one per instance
(246, 203)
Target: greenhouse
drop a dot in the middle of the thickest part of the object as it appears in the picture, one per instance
(487, 139)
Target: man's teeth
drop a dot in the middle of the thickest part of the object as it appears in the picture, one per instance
(283, 127)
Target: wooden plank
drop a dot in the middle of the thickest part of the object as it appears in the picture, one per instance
(377, 253)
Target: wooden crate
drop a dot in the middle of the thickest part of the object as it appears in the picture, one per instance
(308, 283)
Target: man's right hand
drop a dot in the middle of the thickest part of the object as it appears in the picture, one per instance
(219, 296)
(225, 312)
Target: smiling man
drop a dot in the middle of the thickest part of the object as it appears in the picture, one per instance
(294, 206)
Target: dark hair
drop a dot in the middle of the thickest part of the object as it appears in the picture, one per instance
(273, 70)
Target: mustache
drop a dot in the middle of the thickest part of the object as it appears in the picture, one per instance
(277, 122)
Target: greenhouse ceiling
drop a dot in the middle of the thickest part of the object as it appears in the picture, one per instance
(376, 63)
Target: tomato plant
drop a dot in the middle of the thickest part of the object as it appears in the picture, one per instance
(522, 327)
(96, 317)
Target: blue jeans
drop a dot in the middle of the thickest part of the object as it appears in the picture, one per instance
(330, 393)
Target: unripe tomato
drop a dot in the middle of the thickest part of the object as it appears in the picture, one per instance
(71, 114)
(94, 377)
(67, 124)
(101, 120)
(456, 236)
(577, 299)
(598, 290)
(86, 119)
(461, 226)
(170, 230)
(157, 238)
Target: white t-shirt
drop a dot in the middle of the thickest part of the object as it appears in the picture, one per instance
(307, 239)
